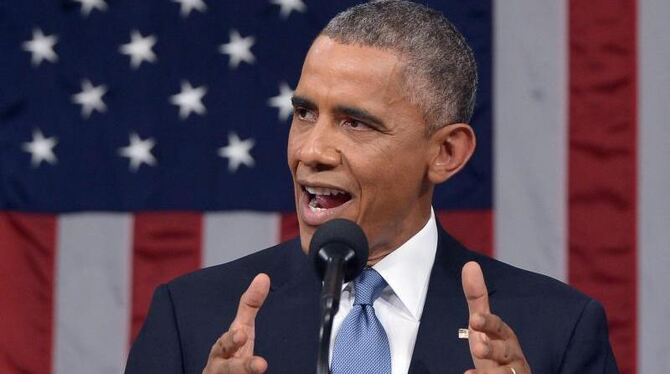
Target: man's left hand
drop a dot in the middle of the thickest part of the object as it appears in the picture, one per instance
(494, 347)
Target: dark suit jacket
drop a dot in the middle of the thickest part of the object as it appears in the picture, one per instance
(560, 329)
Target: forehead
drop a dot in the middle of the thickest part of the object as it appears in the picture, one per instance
(354, 70)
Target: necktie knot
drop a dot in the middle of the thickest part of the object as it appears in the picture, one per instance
(368, 286)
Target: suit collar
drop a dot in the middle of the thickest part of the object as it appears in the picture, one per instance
(290, 265)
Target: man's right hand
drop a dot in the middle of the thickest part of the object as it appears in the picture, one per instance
(233, 352)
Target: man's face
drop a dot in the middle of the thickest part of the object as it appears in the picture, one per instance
(358, 148)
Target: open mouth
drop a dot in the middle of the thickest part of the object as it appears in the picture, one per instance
(321, 198)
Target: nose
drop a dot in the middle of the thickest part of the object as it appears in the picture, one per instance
(318, 147)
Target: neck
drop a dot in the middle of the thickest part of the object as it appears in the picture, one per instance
(379, 252)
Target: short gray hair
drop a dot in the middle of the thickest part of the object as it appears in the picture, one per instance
(440, 72)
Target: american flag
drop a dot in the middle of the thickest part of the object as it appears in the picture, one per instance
(140, 140)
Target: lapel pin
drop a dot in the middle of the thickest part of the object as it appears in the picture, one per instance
(463, 333)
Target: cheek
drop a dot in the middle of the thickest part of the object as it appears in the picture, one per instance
(291, 148)
(392, 180)
(391, 165)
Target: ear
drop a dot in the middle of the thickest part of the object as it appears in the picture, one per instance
(451, 148)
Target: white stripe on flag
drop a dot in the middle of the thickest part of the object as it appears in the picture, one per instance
(229, 236)
(654, 178)
(92, 293)
(530, 117)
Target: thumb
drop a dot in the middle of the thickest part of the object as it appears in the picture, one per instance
(474, 288)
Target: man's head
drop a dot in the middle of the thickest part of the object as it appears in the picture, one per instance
(439, 70)
(380, 117)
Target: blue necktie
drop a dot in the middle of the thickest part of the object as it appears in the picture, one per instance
(361, 345)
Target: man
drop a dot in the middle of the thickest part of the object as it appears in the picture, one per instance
(380, 118)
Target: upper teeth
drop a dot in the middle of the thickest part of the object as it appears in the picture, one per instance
(323, 191)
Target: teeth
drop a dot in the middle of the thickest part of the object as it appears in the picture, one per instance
(323, 191)
(313, 207)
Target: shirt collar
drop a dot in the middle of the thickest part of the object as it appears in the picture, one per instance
(407, 269)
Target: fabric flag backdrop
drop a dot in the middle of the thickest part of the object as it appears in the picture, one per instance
(143, 140)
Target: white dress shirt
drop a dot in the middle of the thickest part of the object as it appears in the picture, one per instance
(406, 271)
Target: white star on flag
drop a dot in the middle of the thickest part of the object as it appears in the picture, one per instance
(139, 152)
(239, 49)
(188, 5)
(237, 152)
(189, 100)
(88, 5)
(287, 6)
(139, 49)
(41, 149)
(90, 98)
(283, 101)
(41, 47)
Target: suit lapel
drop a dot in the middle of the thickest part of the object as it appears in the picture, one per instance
(288, 323)
(438, 348)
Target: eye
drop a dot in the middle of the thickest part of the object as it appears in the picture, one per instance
(355, 124)
(304, 114)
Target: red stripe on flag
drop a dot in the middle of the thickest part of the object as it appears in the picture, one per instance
(602, 164)
(27, 262)
(289, 227)
(473, 228)
(165, 245)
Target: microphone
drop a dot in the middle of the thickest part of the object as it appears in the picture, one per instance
(339, 250)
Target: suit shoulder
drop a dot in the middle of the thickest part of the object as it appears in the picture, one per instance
(238, 273)
(515, 282)
(555, 322)
(505, 279)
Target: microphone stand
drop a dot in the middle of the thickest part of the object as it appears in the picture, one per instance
(330, 303)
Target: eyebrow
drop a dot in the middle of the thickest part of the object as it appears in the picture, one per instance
(300, 101)
(361, 114)
(350, 111)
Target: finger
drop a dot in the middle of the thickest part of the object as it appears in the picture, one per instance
(252, 299)
(500, 351)
(491, 325)
(494, 370)
(497, 370)
(228, 344)
(247, 365)
(474, 288)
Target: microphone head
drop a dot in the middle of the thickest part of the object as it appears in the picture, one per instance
(340, 237)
